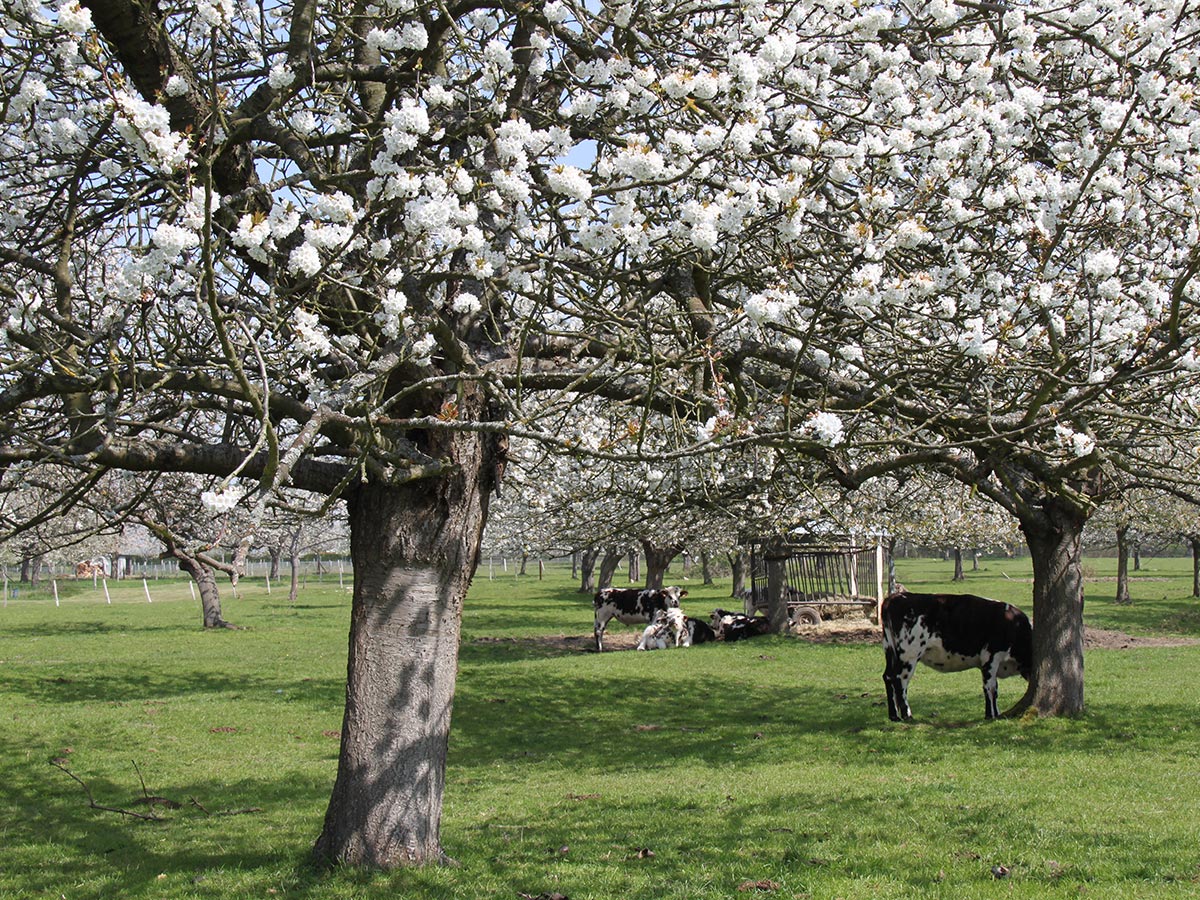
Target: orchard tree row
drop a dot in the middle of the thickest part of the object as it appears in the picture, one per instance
(360, 249)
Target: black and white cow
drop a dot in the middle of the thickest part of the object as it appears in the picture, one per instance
(732, 626)
(696, 631)
(631, 605)
(951, 633)
(654, 636)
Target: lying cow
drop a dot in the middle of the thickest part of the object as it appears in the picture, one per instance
(631, 605)
(654, 636)
(952, 632)
(696, 631)
(672, 623)
(732, 626)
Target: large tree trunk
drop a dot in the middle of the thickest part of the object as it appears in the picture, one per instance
(657, 561)
(737, 563)
(1055, 547)
(587, 566)
(958, 566)
(276, 554)
(608, 566)
(1123, 565)
(415, 549)
(206, 583)
(706, 567)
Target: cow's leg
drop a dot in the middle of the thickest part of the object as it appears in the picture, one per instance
(598, 629)
(895, 678)
(989, 667)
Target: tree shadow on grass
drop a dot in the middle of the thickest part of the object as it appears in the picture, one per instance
(162, 682)
(115, 855)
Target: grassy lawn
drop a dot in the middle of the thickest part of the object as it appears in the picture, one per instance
(684, 774)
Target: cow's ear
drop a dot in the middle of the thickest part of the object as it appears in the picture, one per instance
(683, 593)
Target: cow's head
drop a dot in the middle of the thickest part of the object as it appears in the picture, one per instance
(1022, 641)
(674, 593)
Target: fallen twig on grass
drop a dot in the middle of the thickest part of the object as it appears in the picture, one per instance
(146, 817)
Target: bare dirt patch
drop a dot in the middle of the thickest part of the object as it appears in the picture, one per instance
(1099, 638)
(836, 631)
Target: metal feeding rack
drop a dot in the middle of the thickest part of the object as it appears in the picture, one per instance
(819, 577)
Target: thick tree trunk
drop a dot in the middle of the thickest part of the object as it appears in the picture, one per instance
(608, 566)
(737, 563)
(1123, 565)
(276, 555)
(1137, 555)
(777, 610)
(635, 567)
(958, 566)
(657, 561)
(415, 549)
(1194, 540)
(587, 567)
(1055, 547)
(25, 561)
(206, 583)
(706, 567)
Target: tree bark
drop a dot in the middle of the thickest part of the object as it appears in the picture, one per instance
(706, 567)
(206, 583)
(657, 561)
(415, 548)
(276, 554)
(1123, 565)
(737, 563)
(1194, 540)
(587, 566)
(294, 580)
(608, 566)
(958, 565)
(777, 610)
(1054, 539)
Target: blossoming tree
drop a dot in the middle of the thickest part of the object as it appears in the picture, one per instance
(352, 249)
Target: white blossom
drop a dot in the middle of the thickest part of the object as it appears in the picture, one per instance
(74, 18)
(221, 500)
(280, 77)
(311, 337)
(569, 181)
(826, 428)
(305, 259)
(174, 240)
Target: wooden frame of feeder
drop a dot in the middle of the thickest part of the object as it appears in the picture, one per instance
(801, 576)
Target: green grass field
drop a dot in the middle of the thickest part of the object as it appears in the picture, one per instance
(684, 774)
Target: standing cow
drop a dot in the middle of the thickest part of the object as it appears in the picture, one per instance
(950, 633)
(631, 605)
